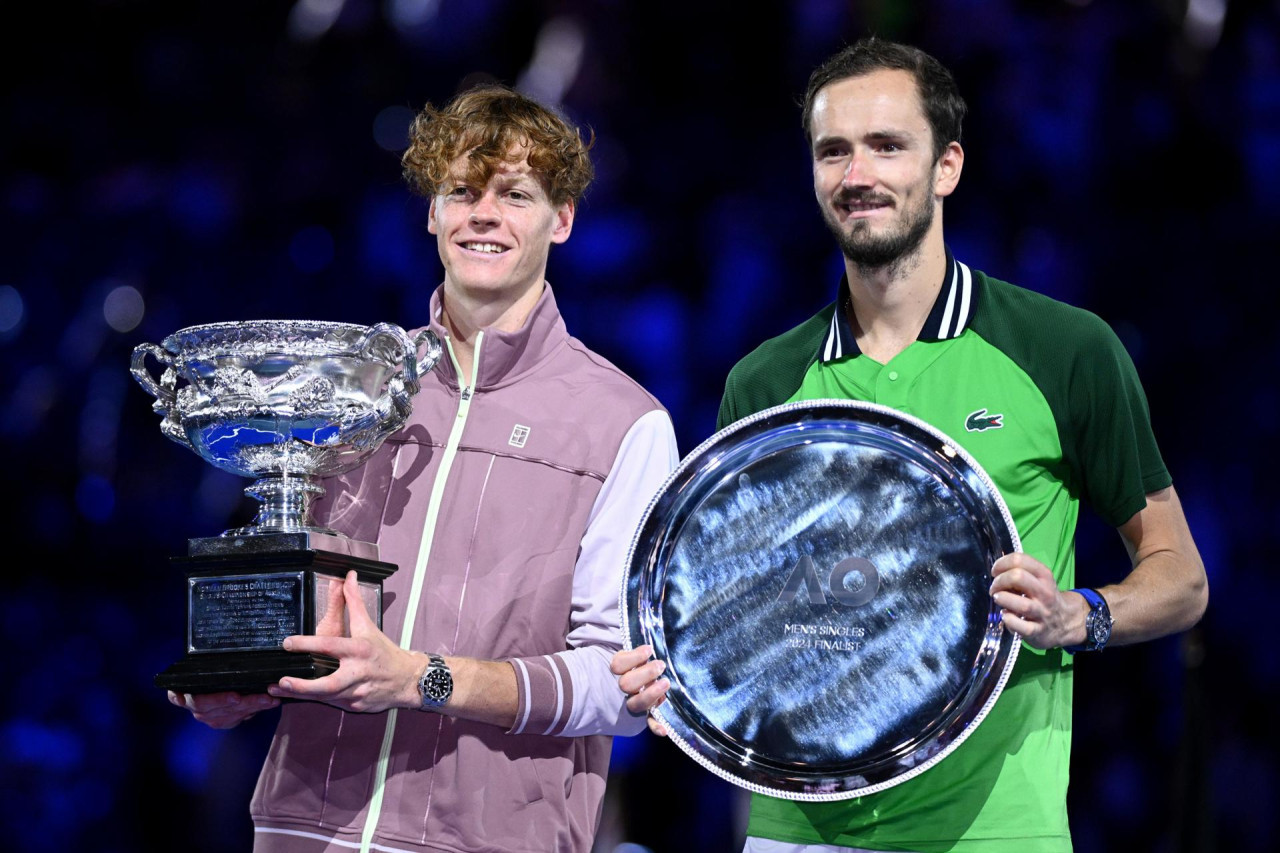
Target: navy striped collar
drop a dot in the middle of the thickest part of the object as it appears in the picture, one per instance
(950, 316)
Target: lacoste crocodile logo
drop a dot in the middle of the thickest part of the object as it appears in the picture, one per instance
(980, 421)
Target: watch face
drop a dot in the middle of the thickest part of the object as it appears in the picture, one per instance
(1099, 628)
(437, 684)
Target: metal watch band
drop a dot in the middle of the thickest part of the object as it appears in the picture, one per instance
(436, 684)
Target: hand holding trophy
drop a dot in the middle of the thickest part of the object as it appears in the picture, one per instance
(286, 402)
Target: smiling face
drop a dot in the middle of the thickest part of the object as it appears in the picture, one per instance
(494, 239)
(874, 172)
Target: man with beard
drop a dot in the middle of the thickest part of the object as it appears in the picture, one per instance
(1043, 395)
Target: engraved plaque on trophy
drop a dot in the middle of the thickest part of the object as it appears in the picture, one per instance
(286, 402)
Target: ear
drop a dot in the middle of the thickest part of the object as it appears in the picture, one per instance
(564, 222)
(947, 170)
(431, 217)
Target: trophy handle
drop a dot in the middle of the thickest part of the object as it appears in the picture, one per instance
(138, 367)
(433, 352)
(400, 389)
(403, 348)
(394, 406)
(166, 397)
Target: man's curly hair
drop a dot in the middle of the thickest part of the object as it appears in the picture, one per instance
(489, 124)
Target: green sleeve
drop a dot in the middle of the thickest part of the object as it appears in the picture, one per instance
(1111, 444)
(728, 404)
(1100, 412)
(772, 372)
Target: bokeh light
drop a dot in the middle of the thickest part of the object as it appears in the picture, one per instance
(12, 310)
(123, 308)
(311, 19)
(410, 15)
(391, 128)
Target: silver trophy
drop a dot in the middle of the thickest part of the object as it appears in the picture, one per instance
(286, 402)
(816, 578)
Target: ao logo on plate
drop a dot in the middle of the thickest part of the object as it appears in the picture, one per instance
(853, 582)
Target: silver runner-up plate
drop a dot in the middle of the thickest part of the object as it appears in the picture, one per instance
(816, 578)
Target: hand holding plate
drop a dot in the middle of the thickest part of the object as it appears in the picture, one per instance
(639, 677)
(1032, 606)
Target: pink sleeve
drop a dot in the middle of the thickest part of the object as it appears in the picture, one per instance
(573, 693)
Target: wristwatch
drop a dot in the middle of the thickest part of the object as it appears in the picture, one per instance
(1097, 624)
(435, 686)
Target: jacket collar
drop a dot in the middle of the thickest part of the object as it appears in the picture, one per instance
(950, 316)
(505, 356)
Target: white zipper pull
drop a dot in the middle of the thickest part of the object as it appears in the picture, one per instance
(466, 394)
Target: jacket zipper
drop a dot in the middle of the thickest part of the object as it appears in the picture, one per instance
(419, 572)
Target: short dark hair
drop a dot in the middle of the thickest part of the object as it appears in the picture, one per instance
(489, 124)
(943, 106)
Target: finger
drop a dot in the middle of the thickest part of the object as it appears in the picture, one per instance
(310, 688)
(229, 704)
(334, 647)
(219, 723)
(1019, 605)
(337, 591)
(656, 726)
(629, 659)
(224, 710)
(355, 605)
(1005, 563)
(634, 679)
(650, 697)
(228, 717)
(1016, 560)
(1012, 580)
(231, 718)
(1023, 628)
(637, 679)
(1032, 613)
(1023, 561)
(205, 703)
(332, 624)
(1023, 581)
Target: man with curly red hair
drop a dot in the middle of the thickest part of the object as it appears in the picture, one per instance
(479, 718)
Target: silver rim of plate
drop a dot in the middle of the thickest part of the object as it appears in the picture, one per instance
(815, 577)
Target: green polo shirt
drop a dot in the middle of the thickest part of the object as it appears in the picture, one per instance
(1046, 399)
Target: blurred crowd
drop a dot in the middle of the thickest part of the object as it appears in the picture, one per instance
(168, 164)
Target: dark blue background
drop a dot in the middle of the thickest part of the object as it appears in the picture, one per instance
(167, 164)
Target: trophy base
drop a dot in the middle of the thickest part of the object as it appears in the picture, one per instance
(245, 597)
(241, 541)
(241, 672)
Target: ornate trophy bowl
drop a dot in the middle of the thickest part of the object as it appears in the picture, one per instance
(286, 402)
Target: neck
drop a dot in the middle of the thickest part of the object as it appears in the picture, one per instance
(465, 315)
(890, 303)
